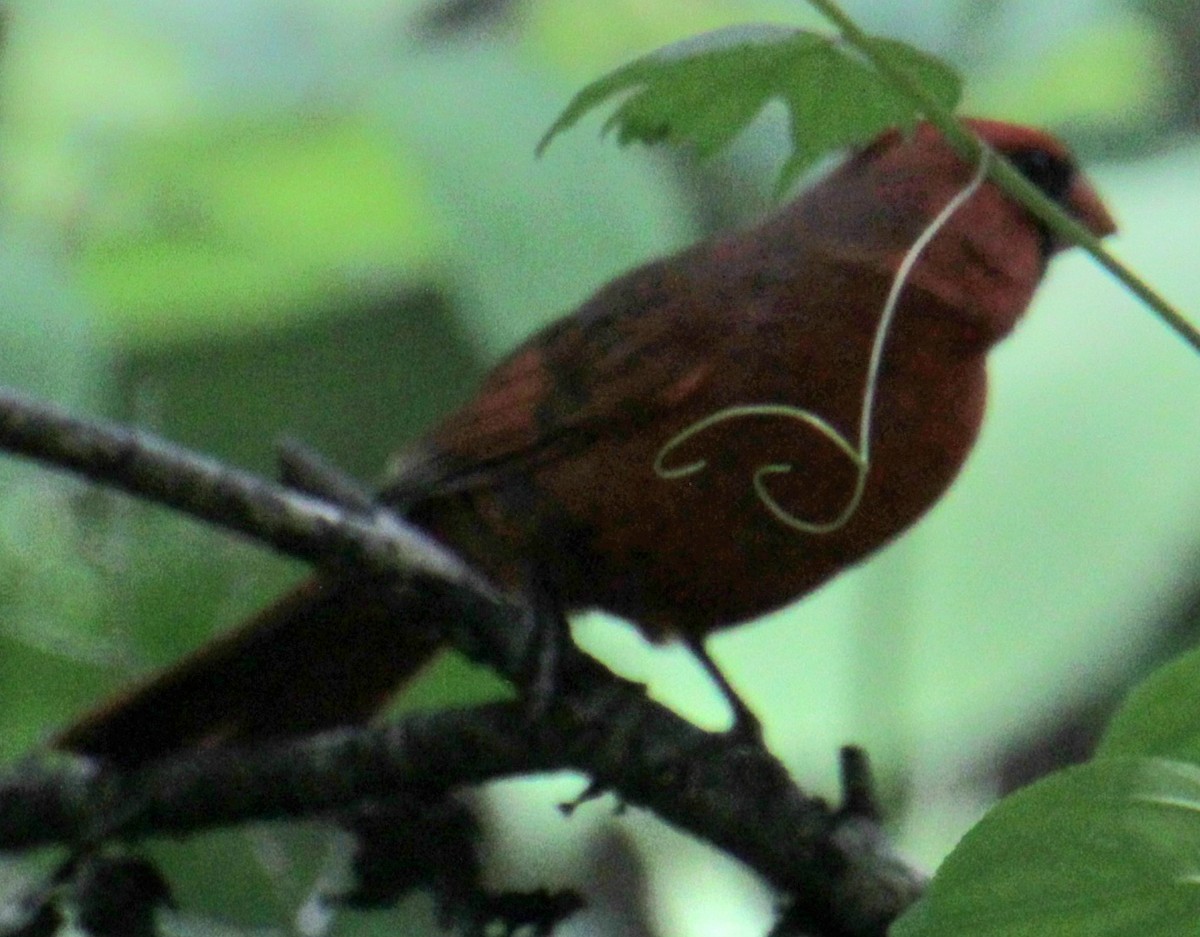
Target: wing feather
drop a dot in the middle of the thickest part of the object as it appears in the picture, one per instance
(637, 349)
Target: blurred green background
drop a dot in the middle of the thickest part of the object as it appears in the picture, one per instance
(230, 221)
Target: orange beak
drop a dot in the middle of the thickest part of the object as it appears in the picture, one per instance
(1085, 205)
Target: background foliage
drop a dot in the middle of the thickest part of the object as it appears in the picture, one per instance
(232, 220)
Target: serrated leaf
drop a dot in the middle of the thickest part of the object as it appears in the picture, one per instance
(1161, 717)
(1107, 849)
(706, 90)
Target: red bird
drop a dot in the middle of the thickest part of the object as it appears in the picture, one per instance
(707, 438)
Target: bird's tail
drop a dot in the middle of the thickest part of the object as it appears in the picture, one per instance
(330, 652)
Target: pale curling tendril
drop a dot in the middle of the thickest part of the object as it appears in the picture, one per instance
(859, 456)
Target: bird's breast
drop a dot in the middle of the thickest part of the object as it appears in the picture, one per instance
(734, 508)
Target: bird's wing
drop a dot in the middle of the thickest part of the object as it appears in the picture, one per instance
(640, 347)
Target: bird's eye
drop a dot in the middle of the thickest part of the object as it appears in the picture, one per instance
(1049, 172)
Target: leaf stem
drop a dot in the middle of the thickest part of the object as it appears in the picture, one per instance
(1003, 173)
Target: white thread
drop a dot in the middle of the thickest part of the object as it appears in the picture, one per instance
(860, 456)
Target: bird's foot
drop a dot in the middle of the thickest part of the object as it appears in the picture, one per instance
(746, 727)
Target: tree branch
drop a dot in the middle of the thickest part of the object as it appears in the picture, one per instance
(834, 865)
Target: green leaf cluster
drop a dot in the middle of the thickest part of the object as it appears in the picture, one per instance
(703, 92)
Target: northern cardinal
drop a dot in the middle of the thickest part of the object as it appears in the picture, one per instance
(707, 438)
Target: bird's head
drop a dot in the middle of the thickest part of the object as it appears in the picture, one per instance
(986, 260)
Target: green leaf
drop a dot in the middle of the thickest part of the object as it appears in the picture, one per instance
(1108, 848)
(220, 227)
(1161, 717)
(704, 91)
